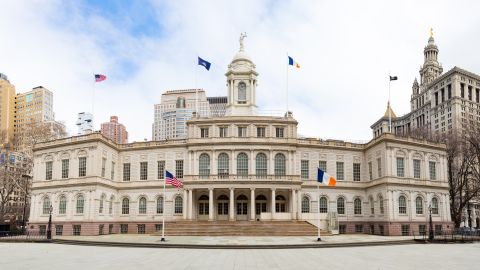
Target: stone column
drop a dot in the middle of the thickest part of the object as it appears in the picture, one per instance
(294, 204)
(299, 204)
(273, 203)
(210, 204)
(190, 204)
(231, 205)
(252, 204)
(185, 205)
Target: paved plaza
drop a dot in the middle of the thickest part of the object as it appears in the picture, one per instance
(416, 256)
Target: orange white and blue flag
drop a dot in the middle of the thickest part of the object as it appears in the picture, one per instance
(292, 62)
(325, 178)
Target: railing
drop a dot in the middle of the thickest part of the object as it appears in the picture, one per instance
(23, 236)
(233, 177)
(458, 235)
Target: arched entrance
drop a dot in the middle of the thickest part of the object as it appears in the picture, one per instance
(242, 207)
(222, 207)
(260, 205)
(280, 204)
(203, 209)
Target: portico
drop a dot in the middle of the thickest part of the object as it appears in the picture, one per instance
(240, 203)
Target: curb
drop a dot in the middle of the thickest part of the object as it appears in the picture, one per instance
(200, 246)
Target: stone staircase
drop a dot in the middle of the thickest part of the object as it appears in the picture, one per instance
(240, 228)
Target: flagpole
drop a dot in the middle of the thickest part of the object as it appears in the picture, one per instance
(318, 212)
(163, 212)
(93, 101)
(389, 108)
(287, 83)
(196, 88)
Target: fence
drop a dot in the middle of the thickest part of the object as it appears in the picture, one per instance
(458, 235)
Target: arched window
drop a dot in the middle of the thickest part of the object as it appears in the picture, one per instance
(80, 204)
(125, 206)
(204, 165)
(223, 165)
(110, 205)
(160, 205)
(323, 208)
(357, 206)
(242, 93)
(341, 206)
(279, 165)
(261, 165)
(402, 205)
(380, 203)
(100, 209)
(242, 165)
(305, 204)
(178, 205)
(142, 206)
(372, 206)
(46, 205)
(419, 205)
(434, 206)
(62, 205)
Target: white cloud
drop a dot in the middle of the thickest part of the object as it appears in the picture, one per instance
(346, 49)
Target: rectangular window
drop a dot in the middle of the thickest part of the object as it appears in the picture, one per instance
(449, 91)
(112, 171)
(143, 170)
(141, 228)
(416, 168)
(65, 167)
(123, 228)
(77, 229)
(260, 132)
(179, 168)
(100, 229)
(433, 170)
(462, 90)
(358, 228)
(158, 227)
(438, 229)
(342, 229)
(470, 93)
(204, 132)
(340, 171)
(379, 167)
(304, 169)
(104, 163)
(442, 92)
(126, 171)
(110, 228)
(48, 170)
(400, 167)
(381, 230)
(242, 131)
(405, 230)
(279, 132)
(356, 171)
(223, 132)
(370, 173)
(161, 169)
(477, 96)
(436, 98)
(42, 229)
(82, 166)
(322, 164)
(58, 229)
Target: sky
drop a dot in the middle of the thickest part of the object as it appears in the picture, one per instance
(346, 50)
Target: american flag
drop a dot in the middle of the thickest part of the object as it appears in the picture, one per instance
(100, 77)
(172, 180)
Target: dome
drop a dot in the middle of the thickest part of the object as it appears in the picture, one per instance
(241, 55)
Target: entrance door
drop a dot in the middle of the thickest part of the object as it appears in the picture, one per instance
(222, 207)
(242, 207)
(203, 207)
(260, 205)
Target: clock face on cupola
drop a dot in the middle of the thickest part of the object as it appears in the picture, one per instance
(241, 83)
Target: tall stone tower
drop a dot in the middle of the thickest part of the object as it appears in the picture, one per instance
(431, 69)
(241, 83)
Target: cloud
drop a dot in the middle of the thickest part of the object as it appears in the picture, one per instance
(346, 50)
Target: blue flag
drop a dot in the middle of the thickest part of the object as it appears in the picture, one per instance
(204, 63)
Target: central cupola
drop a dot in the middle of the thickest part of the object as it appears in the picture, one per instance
(241, 83)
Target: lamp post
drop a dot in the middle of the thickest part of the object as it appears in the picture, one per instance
(49, 228)
(469, 212)
(430, 229)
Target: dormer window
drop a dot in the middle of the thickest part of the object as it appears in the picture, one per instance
(242, 93)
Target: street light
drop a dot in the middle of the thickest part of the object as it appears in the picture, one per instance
(430, 229)
(49, 228)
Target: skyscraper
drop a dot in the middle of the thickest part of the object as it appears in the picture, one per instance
(7, 109)
(84, 123)
(115, 131)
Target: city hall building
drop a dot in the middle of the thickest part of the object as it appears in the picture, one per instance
(240, 167)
